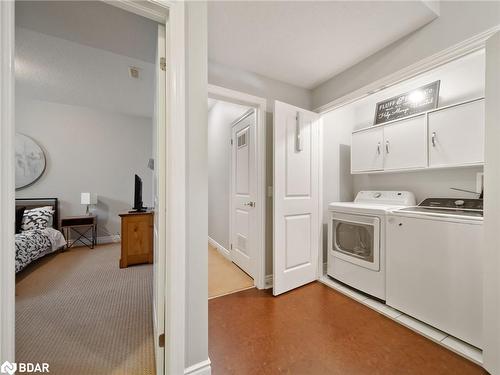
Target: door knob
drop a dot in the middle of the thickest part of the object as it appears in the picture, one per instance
(250, 204)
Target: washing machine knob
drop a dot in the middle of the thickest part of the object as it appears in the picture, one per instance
(459, 202)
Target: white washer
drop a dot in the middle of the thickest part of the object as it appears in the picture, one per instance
(356, 239)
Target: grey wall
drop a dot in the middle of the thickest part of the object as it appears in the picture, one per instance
(220, 118)
(88, 150)
(459, 20)
(93, 121)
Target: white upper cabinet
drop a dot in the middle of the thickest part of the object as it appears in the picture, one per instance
(366, 150)
(446, 137)
(405, 144)
(456, 135)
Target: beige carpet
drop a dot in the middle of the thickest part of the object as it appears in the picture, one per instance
(80, 313)
(224, 277)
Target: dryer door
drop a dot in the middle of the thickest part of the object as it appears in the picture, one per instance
(356, 239)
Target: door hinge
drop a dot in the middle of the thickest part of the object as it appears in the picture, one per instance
(161, 340)
(231, 246)
(231, 142)
(163, 63)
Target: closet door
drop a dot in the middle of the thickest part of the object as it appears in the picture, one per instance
(366, 150)
(456, 135)
(405, 144)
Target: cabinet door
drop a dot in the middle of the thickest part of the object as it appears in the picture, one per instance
(366, 150)
(456, 135)
(405, 144)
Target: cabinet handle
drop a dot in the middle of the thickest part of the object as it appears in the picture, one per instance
(433, 139)
(387, 146)
(378, 148)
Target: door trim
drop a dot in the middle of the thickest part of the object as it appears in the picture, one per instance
(260, 105)
(7, 191)
(173, 14)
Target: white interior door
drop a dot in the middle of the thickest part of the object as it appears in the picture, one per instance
(159, 190)
(244, 193)
(296, 197)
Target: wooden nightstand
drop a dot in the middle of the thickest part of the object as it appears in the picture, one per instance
(137, 238)
(81, 225)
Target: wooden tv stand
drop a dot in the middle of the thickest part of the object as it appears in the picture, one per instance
(137, 238)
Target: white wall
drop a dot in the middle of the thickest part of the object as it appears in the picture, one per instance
(461, 80)
(255, 84)
(220, 118)
(197, 185)
(458, 20)
(93, 121)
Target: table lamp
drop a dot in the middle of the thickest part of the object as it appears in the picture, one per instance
(88, 199)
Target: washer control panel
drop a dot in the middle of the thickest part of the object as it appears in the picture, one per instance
(397, 198)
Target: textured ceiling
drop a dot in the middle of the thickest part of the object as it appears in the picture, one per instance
(79, 53)
(92, 23)
(56, 70)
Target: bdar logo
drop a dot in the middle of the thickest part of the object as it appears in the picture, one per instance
(8, 368)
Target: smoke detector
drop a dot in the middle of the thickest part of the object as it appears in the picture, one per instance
(133, 72)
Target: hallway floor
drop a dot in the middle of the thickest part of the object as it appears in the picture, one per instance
(224, 276)
(317, 330)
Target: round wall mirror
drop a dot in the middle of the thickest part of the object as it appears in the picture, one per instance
(30, 161)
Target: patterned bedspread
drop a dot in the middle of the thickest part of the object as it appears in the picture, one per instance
(34, 244)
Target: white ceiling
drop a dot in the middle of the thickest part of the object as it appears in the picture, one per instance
(306, 43)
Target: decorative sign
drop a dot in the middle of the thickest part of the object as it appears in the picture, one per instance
(30, 161)
(419, 100)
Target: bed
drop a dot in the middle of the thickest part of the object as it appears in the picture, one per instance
(37, 232)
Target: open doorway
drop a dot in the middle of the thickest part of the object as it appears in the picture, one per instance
(236, 192)
(87, 122)
(231, 188)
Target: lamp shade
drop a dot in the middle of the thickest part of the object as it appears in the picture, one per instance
(88, 198)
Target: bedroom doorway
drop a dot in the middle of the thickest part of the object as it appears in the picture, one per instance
(59, 273)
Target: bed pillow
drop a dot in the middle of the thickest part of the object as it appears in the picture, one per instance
(19, 218)
(37, 218)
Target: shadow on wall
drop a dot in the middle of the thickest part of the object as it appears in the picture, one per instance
(107, 211)
(346, 184)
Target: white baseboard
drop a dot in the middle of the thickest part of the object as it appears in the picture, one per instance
(221, 249)
(108, 239)
(101, 240)
(268, 282)
(200, 368)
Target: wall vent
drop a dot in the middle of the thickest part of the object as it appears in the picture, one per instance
(242, 140)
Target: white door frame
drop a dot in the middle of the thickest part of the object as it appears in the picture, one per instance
(171, 13)
(260, 104)
(475, 43)
(7, 186)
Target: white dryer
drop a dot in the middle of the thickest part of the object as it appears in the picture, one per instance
(356, 239)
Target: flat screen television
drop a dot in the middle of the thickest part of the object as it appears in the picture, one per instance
(138, 207)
